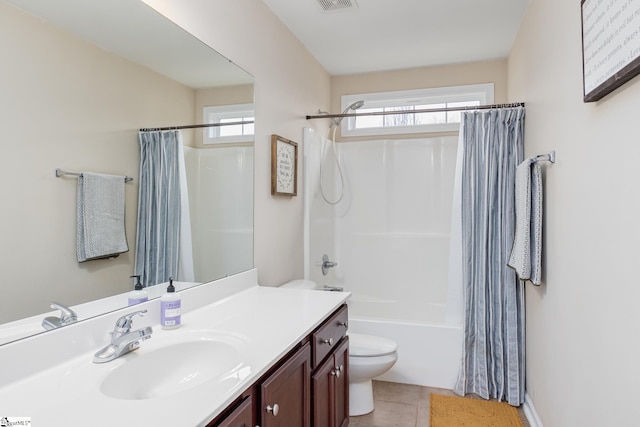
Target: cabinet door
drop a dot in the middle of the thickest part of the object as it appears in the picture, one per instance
(342, 384)
(330, 385)
(322, 385)
(241, 417)
(284, 396)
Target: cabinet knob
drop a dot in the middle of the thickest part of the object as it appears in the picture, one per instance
(345, 323)
(273, 410)
(328, 341)
(337, 371)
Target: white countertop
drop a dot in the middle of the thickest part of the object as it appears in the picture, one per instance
(270, 321)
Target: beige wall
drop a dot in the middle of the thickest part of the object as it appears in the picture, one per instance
(420, 78)
(583, 322)
(289, 84)
(65, 104)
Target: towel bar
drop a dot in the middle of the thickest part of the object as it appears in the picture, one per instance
(60, 172)
(551, 157)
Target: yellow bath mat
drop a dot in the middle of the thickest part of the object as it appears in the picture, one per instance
(453, 411)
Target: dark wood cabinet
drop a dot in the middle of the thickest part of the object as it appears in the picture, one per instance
(330, 389)
(285, 394)
(242, 416)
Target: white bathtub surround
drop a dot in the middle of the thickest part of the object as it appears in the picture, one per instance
(45, 385)
(224, 242)
(390, 236)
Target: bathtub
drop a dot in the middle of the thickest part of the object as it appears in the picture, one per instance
(429, 352)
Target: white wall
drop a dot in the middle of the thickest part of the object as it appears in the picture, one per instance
(289, 84)
(583, 322)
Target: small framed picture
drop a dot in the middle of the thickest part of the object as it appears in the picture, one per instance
(284, 166)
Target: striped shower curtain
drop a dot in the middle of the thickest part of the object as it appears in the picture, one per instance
(163, 236)
(493, 363)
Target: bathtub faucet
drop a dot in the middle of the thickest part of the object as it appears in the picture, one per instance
(326, 264)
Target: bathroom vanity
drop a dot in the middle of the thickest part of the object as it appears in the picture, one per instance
(283, 396)
(244, 354)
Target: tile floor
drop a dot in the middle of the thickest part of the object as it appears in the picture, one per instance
(403, 405)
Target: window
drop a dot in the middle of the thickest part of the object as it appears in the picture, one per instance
(239, 113)
(409, 101)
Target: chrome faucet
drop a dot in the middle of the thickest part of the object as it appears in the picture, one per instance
(67, 317)
(326, 264)
(123, 340)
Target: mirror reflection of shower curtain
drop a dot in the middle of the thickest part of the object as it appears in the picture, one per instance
(163, 237)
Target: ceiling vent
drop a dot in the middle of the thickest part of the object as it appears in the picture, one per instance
(328, 5)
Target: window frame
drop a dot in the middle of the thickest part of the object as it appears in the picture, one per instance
(482, 93)
(217, 113)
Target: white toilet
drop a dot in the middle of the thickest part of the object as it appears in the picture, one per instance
(369, 356)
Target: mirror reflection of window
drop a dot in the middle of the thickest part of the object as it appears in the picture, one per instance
(242, 114)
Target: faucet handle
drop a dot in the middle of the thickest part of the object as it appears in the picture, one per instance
(66, 314)
(123, 324)
(326, 264)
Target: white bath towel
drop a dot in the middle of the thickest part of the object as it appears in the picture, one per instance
(526, 253)
(100, 216)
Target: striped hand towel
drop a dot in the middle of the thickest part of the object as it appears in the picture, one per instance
(526, 253)
(100, 216)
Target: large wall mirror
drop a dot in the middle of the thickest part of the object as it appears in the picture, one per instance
(79, 79)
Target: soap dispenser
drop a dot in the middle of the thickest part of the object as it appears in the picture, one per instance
(139, 294)
(170, 305)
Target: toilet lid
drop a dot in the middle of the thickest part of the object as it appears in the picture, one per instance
(361, 345)
(300, 284)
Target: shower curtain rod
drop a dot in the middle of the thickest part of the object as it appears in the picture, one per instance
(426, 110)
(205, 125)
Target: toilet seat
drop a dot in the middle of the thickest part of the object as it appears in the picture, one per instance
(361, 345)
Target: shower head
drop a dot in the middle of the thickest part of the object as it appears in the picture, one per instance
(354, 107)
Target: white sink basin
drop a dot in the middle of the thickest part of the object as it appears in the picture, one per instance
(167, 364)
(171, 369)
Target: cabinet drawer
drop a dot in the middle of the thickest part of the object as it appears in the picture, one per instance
(328, 335)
